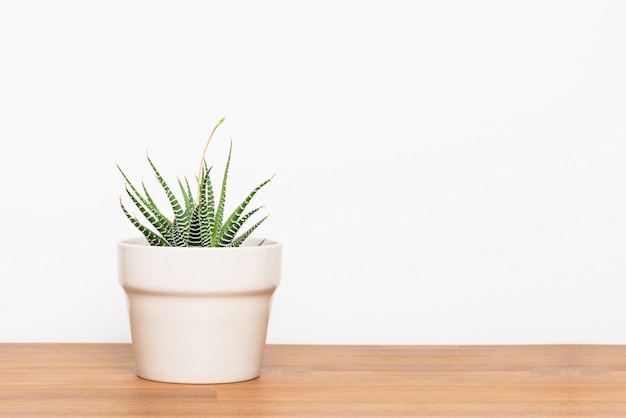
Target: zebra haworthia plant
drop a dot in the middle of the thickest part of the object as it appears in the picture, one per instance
(196, 223)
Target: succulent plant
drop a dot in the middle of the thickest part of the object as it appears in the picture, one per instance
(196, 223)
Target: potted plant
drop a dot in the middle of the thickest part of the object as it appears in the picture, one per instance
(199, 286)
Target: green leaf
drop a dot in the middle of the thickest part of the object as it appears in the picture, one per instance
(179, 241)
(195, 232)
(219, 214)
(144, 204)
(237, 242)
(207, 208)
(153, 239)
(178, 211)
(163, 228)
(233, 220)
(154, 207)
(185, 219)
(195, 223)
(227, 236)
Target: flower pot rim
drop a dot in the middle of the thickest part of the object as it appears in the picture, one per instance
(198, 269)
(250, 243)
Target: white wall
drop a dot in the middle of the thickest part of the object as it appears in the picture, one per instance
(448, 172)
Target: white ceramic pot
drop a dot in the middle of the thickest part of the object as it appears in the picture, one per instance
(199, 315)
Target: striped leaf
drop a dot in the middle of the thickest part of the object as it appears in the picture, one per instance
(178, 235)
(237, 242)
(184, 221)
(160, 222)
(219, 213)
(178, 210)
(153, 239)
(233, 220)
(162, 228)
(154, 207)
(227, 236)
(195, 232)
(195, 223)
(207, 207)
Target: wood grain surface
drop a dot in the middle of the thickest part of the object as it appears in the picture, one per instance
(85, 380)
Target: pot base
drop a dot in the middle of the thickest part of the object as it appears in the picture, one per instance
(198, 340)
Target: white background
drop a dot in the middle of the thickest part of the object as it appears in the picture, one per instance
(448, 172)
